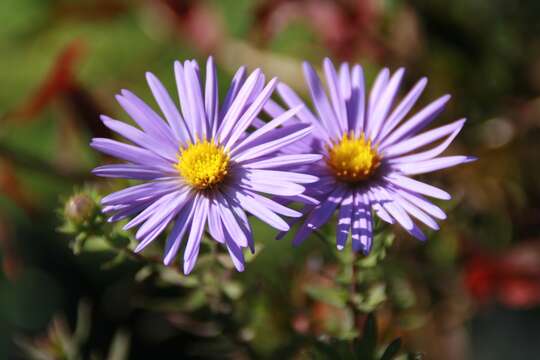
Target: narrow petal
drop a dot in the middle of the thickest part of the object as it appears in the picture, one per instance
(183, 90)
(291, 98)
(235, 252)
(140, 138)
(417, 122)
(422, 203)
(275, 175)
(376, 90)
(402, 109)
(197, 229)
(129, 171)
(396, 210)
(231, 225)
(281, 137)
(174, 240)
(358, 108)
(211, 99)
(362, 226)
(426, 166)
(168, 108)
(195, 98)
(319, 215)
(161, 216)
(155, 206)
(236, 84)
(280, 188)
(425, 138)
(214, 222)
(251, 112)
(326, 114)
(338, 104)
(130, 153)
(415, 212)
(260, 211)
(267, 128)
(375, 201)
(344, 221)
(274, 206)
(384, 103)
(145, 117)
(418, 186)
(137, 192)
(237, 107)
(283, 161)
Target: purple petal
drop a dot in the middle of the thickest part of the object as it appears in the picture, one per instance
(319, 215)
(376, 200)
(326, 114)
(236, 84)
(422, 203)
(274, 206)
(417, 186)
(130, 153)
(195, 98)
(344, 221)
(231, 225)
(283, 161)
(141, 191)
(422, 167)
(197, 229)
(140, 138)
(417, 122)
(376, 90)
(358, 95)
(338, 104)
(266, 129)
(287, 176)
(130, 171)
(362, 226)
(174, 240)
(396, 210)
(185, 106)
(260, 211)
(415, 211)
(237, 107)
(235, 252)
(425, 138)
(214, 222)
(169, 108)
(252, 111)
(145, 117)
(211, 99)
(279, 138)
(402, 109)
(384, 104)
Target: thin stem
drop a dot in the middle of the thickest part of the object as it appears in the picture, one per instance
(357, 315)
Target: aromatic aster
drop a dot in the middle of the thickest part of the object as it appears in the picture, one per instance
(201, 168)
(371, 148)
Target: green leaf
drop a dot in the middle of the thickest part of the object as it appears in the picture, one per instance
(368, 343)
(392, 350)
(333, 296)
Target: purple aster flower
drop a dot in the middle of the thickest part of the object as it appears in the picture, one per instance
(203, 170)
(370, 149)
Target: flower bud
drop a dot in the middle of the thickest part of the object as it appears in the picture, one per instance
(79, 208)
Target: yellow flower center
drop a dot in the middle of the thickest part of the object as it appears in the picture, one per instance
(203, 164)
(353, 159)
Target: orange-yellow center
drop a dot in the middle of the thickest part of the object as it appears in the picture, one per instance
(203, 164)
(353, 159)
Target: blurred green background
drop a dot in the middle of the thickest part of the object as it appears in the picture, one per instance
(471, 292)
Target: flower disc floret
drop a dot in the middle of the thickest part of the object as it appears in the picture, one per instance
(203, 165)
(353, 159)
